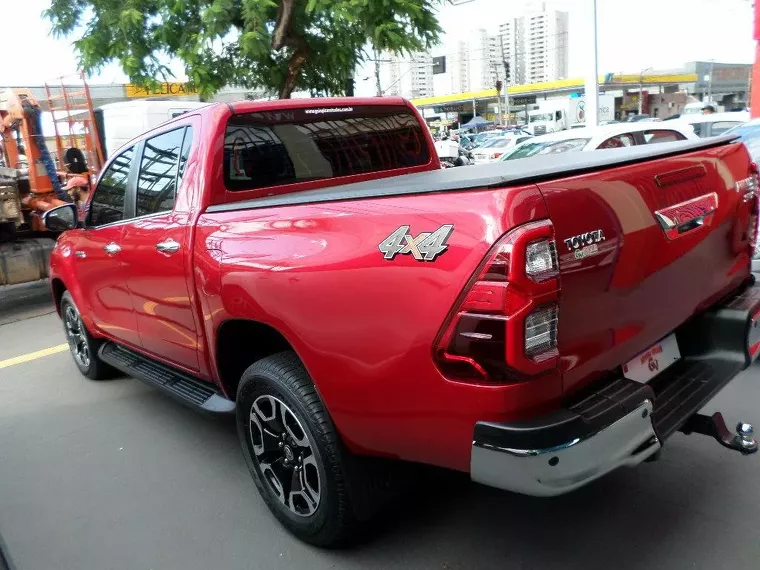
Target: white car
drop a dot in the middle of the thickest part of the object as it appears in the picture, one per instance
(493, 149)
(715, 123)
(618, 135)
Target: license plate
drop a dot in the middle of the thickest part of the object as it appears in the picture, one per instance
(653, 360)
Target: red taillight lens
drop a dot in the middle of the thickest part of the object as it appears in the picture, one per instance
(497, 154)
(504, 324)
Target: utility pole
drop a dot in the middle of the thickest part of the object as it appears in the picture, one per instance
(507, 77)
(377, 75)
(592, 71)
(641, 88)
(709, 83)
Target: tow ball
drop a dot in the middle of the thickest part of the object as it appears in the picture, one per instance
(715, 426)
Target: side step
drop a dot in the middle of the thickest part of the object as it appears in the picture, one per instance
(180, 385)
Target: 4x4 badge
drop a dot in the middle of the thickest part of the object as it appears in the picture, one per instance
(425, 247)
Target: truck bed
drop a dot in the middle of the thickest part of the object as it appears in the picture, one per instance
(524, 171)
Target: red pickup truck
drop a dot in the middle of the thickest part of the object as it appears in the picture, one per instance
(308, 266)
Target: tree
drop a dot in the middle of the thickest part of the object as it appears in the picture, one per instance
(277, 45)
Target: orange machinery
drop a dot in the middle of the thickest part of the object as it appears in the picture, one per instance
(32, 181)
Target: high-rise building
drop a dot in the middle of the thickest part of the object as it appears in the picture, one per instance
(484, 60)
(545, 45)
(409, 76)
(536, 45)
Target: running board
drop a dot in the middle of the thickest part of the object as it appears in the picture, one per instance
(179, 385)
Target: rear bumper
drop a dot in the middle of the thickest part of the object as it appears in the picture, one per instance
(620, 422)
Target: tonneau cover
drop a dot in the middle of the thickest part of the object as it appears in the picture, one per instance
(507, 173)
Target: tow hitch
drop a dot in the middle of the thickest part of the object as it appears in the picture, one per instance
(715, 426)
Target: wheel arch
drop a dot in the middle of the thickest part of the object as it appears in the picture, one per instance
(58, 288)
(240, 343)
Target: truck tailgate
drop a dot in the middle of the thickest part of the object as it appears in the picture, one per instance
(644, 247)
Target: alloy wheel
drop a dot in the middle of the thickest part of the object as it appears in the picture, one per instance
(76, 336)
(285, 455)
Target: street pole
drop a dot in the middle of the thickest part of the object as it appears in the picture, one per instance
(592, 71)
(709, 84)
(507, 76)
(641, 92)
(377, 75)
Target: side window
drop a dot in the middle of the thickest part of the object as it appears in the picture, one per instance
(107, 205)
(620, 141)
(720, 127)
(661, 136)
(157, 181)
(697, 129)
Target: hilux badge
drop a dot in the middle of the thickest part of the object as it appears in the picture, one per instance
(425, 247)
(581, 242)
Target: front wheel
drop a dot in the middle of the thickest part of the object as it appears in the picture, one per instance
(293, 451)
(83, 347)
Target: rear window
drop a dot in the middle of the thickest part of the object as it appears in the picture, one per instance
(662, 135)
(271, 148)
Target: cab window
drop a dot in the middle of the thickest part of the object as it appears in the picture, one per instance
(159, 172)
(107, 205)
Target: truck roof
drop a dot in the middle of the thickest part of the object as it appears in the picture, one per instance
(509, 173)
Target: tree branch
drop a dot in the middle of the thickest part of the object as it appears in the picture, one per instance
(282, 24)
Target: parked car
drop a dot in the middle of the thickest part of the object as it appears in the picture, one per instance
(605, 137)
(715, 123)
(494, 148)
(305, 265)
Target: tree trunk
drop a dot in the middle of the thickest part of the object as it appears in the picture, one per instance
(295, 65)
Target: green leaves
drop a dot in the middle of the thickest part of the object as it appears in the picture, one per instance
(229, 42)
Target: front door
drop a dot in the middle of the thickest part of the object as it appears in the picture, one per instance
(98, 255)
(157, 253)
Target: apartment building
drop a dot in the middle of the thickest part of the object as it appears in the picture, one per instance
(408, 76)
(544, 43)
(536, 45)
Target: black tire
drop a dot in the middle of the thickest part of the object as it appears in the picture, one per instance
(282, 378)
(83, 347)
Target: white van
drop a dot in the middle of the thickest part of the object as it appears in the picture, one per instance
(121, 122)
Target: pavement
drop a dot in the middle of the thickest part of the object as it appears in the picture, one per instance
(115, 475)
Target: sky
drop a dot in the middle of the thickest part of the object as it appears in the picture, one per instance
(632, 36)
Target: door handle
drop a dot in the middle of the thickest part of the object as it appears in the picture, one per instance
(111, 248)
(168, 246)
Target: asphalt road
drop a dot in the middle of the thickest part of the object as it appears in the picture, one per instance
(114, 475)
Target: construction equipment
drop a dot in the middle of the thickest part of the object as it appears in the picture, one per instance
(32, 182)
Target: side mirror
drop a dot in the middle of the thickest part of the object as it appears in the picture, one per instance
(61, 218)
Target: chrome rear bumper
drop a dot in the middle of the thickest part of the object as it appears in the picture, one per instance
(562, 468)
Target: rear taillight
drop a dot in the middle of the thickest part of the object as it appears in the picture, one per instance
(749, 189)
(497, 154)
(504, 324)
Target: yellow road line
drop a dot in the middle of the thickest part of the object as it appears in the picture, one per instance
(33, 355)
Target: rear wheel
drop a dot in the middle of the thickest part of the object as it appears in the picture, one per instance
(293, 451)
(83, 347)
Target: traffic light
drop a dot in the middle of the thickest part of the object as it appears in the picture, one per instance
(507, 72)
(498, 85)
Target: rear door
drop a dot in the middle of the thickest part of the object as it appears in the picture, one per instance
(156, 251)
(642, 247)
